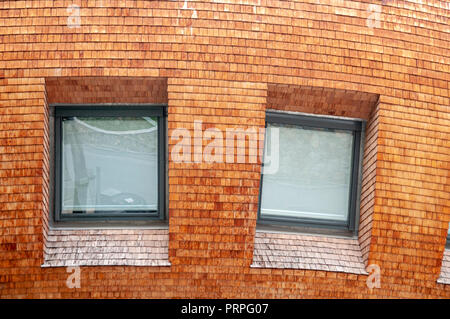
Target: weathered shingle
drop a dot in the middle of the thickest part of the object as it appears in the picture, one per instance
(299, 251)
(444, 277)
(118, 247)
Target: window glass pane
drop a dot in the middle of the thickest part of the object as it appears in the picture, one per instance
(313, 178)
(109, 164)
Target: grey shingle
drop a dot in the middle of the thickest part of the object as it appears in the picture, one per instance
(107, 247)
(444, 277)
(299, 251)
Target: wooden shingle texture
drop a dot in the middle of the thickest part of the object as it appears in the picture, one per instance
(102, 247)
(218, 62)
(296, 251)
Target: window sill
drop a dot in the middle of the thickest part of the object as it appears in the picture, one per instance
(309, 252)
(109, 224)
(444, 277)
(106, 247)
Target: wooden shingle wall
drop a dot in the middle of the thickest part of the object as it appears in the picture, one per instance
(219, 60)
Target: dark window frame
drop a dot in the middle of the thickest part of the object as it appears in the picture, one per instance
(357, 126)
(447, 243)
(99, 110)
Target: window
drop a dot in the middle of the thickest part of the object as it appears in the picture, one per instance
(448, 238)
(316, 183)
(109, 162)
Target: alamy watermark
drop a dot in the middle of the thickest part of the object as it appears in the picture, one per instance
(374, 278)
(220, 146)
(74, 18)
(373, 21)
(74, 279)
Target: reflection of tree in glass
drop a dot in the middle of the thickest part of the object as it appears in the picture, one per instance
(314, 156)
(111, 132)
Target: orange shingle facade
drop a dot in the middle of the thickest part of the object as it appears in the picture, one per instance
(224, 62)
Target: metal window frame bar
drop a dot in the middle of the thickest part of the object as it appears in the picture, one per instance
(122, 110)
(357, 127)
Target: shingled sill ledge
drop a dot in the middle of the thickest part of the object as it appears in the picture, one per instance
(106, 247)
(444, 277)
(309, 252)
